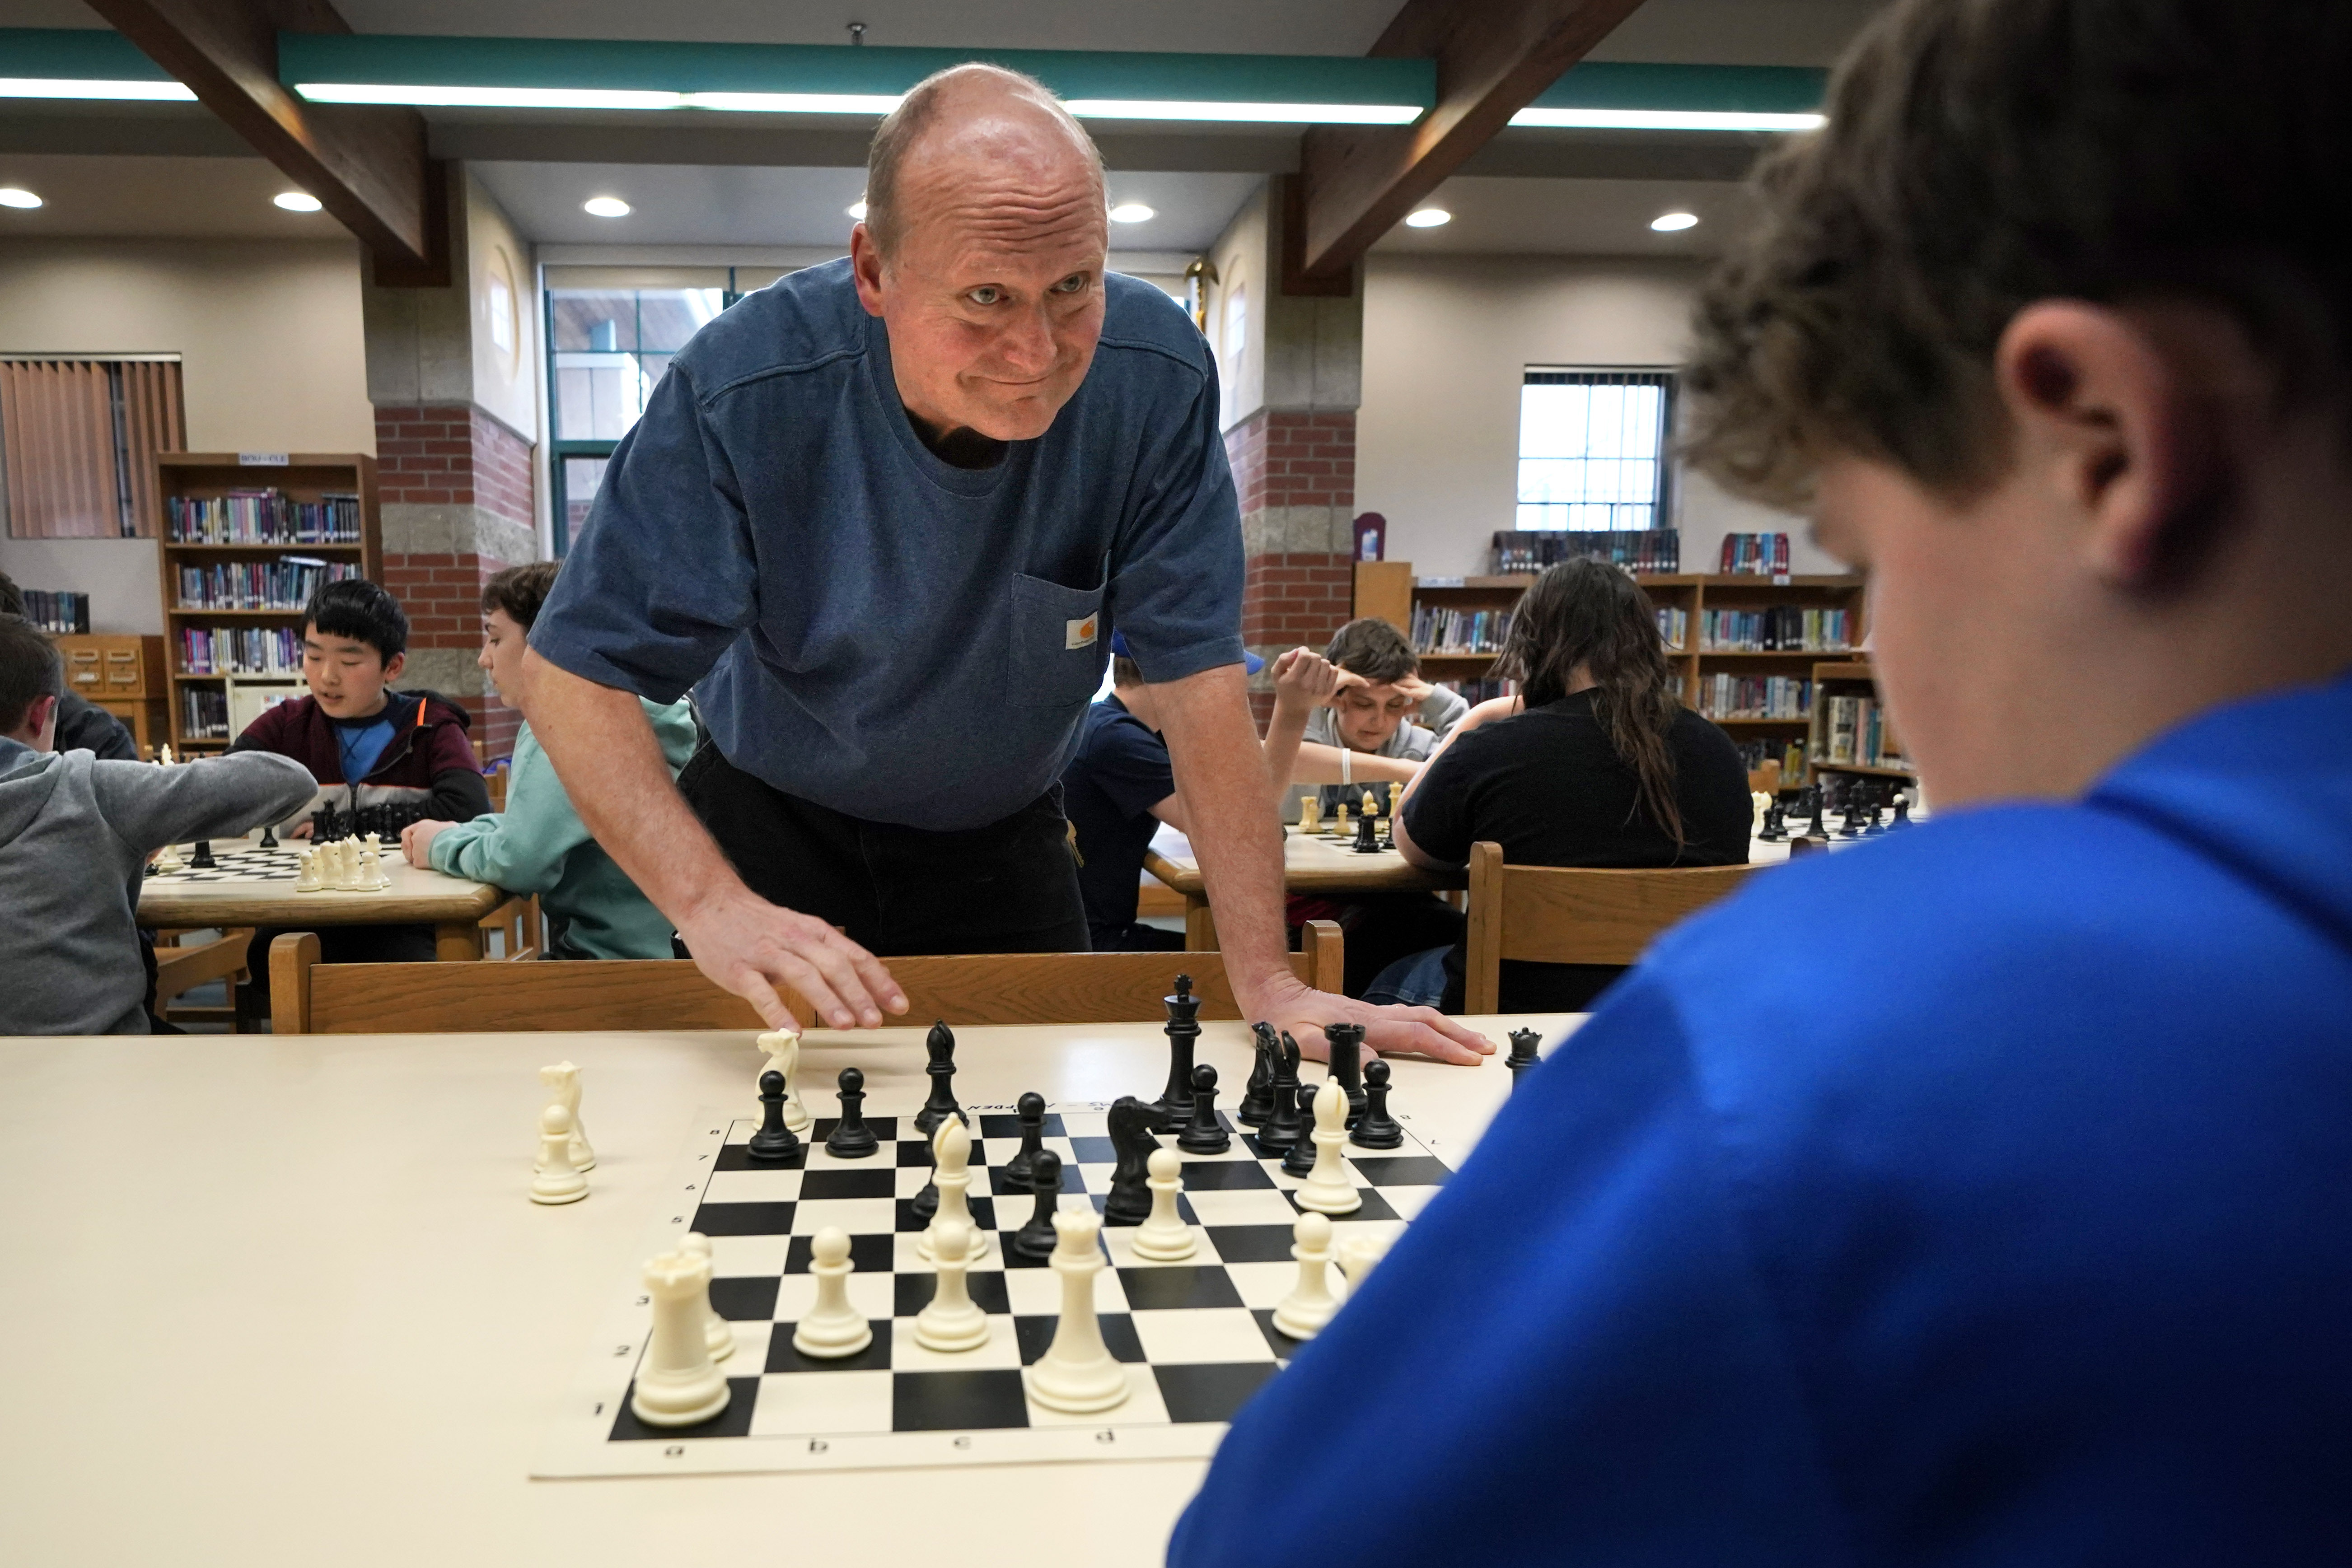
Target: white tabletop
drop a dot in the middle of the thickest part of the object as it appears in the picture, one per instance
(281, 1300)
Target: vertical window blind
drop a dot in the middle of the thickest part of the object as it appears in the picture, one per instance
(1592, 449)
(78, 437)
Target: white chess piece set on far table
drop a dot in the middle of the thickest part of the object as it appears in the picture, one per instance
(560, 1174)
(344, 865)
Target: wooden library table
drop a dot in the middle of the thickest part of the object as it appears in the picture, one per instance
(460, 911)
(1310, 863)
(280, 1299)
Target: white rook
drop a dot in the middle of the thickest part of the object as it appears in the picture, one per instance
(678, 1382)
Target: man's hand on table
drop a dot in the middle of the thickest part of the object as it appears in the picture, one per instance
(1388, 1030)
(417, 841)
(752, 947)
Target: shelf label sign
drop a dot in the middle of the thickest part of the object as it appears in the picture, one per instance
(262, 459)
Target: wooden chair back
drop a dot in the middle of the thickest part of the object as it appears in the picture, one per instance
(1555, 915)
(310, 998)
(182, 965)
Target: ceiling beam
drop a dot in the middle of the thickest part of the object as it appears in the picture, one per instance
(1493, 58)
(367, 166)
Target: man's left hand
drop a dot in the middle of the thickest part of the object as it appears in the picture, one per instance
(417, 841)
(1388, 1030)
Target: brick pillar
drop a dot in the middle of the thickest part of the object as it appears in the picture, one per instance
(1295, 473)
(457, 494)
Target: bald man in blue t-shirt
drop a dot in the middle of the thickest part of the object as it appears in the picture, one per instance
(881, 517)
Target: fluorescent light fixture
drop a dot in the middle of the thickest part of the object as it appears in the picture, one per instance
(1666, 119)
(488, 97)
(17, 196)
(296, 200)
(1673, 222)
(605, 207)
(1253, 113)
(1428, 218)
(1132, 212)
(430, 97)
(792, 102)
(856, 209)
(59, 87)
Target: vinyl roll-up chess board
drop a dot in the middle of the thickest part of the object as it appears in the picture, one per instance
(248, 865)
(1196, 1337)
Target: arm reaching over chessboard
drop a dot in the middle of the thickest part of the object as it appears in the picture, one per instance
(212, 798)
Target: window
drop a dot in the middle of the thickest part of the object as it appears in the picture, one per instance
(1592, 450)
(78, 439)
(607, 350)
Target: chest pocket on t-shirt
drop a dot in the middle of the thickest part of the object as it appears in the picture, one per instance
(1059, 643)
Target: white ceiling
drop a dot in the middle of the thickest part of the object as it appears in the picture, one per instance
(161, 198)
(1574, 217)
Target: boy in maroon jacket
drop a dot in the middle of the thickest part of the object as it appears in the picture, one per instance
(364, 742)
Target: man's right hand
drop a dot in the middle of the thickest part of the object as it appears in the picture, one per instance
(752, 947)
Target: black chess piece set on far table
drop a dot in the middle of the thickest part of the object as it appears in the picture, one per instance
(330, 822)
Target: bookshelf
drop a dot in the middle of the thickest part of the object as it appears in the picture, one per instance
(1734, 685)
(1850, 732)
(250, 534)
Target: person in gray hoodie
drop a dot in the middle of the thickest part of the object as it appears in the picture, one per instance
(75, 835)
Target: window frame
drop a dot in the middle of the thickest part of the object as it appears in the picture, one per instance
(1663, 495)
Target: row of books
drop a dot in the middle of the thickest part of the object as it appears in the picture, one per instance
(203, 712)
(1757, 555)
(263, 518)
(1856, 733)
(1439, 630)
(1784, 628)
(240, 650)
(1788, 753)
(286, 583)
(1477, 692)
(1756, 697)
(1649, 550)
(60, 614)
(1673, 626)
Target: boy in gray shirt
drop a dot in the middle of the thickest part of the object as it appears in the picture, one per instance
(1367, 733)
(75, 835)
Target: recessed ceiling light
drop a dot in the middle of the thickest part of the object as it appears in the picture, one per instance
(1132, 212)
(1428, 218)
(17, 196)
(605, 207)
(856, 209)
(1672, 223)
(296, 200)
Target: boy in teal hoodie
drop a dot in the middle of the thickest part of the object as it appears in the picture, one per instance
(539, 845)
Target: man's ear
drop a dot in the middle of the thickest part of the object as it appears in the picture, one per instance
(2097, 403)
(866, 268)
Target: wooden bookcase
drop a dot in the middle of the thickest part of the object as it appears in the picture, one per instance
(1389, 589)
(302, 477)
(1853, 678)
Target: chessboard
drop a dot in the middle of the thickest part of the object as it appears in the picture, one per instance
(250, 864)
(1196, 1337)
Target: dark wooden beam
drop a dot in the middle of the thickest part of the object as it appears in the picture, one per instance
(1493, 58)
(367, 166)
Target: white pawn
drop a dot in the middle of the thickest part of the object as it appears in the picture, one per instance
(678, 1383)
(783, 1049)
(306, 878)
(564, 1080)
(718, 1335)
(557, 1181)
(1302, 1313)
(168, 858)
(952, 1174)
(1164, 1237)
(952, 1320)
(832, 1328)
(1326, 1189)
(1077, 1375)
(1358, 1256)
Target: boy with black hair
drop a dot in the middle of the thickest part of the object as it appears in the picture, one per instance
(1977, 1195)
(82, 725)
(76, 831)
(366, 743)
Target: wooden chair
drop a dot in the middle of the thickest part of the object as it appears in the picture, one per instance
(1556, 914)
(181, 965)
(306, 996)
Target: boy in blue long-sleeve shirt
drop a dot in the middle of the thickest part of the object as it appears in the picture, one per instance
(1980, 1196)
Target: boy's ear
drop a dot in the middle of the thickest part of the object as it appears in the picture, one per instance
(393, 667)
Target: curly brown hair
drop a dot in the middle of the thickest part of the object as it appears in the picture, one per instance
(1983, 155)
(521, 590)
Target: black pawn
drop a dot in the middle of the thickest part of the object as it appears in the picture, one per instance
(943, 1103)
(1038, 1237)
(1301, 1158)
(927, 1202)
(268, 836)
(1902, 813)
(851, 1139)
(1174, 1106)
(1131, 1141)
(1368, 836)
(1347, 1048)
(1206, 1135)
(1032, 1107)
(773, 1142)
(1281, 1129)
(1375, 1129)
(1776, 824)
(1523, 1053)
(202, 859)
(1257, 1101)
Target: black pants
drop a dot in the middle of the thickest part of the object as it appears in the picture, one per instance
(1008, 887)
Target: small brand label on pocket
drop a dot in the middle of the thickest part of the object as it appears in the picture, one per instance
(1079, 634)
